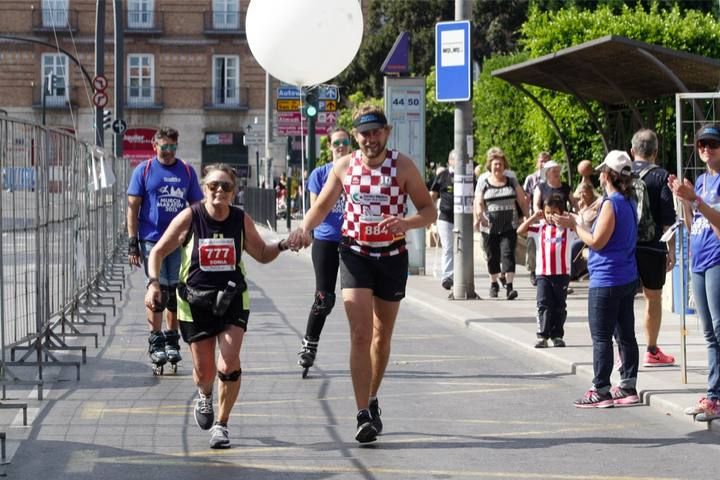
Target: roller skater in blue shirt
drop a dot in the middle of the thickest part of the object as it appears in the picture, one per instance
(160, 188)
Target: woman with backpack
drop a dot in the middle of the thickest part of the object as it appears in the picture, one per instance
(613, 283)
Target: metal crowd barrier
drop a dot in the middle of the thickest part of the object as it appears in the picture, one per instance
(261, 204)
(63, 222)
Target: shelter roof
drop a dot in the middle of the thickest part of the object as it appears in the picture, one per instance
(617, 70)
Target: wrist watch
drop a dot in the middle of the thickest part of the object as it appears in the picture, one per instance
(151, 280)
(697, 202)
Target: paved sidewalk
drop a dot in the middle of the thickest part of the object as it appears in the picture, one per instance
(513, 322)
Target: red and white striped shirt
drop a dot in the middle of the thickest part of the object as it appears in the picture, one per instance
(371, 193)
(553, 248)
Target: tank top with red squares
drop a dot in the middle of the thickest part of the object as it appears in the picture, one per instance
(371, 193)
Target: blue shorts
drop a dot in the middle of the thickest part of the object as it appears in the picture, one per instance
(170, 267)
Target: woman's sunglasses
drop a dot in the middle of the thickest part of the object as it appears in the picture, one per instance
(226, 186)
(711, 144)
(345, 142)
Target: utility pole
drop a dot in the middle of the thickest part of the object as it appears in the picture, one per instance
(99, 66)
(119, 75)
(463, 271)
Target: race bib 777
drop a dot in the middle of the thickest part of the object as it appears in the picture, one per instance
(217, 254)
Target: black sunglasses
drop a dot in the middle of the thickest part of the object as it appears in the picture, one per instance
(226, 186)
(711, 144)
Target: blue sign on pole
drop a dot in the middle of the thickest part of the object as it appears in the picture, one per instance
(452, 61)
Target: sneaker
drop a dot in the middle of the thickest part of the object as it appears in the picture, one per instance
(219, 437)
(594, 399)
(711, 413)
(558, 342)
(494, 289)
(624, 396)
(204, 414)
(366, 431)
(533, 279)
(541, 343)
(659, 359)
(703, 404)
(447, 283)
(375, 412)
(511, 293)
(570, 291)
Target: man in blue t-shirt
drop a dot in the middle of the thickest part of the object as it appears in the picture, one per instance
(160, 188)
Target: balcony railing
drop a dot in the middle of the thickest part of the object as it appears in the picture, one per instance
(223, 23)
(144, 22)
(62, 98)
(148, 98)
(58, 20)
(226, 98)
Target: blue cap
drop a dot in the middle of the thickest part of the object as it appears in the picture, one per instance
(370, 121)
(709, 132)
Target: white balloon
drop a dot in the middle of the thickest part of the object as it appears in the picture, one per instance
(304, 42)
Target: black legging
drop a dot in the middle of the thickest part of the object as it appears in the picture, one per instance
(326, 262)
(500, 247)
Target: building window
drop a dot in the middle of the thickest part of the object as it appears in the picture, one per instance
(226, 14)
(226, 80)
(56, 66)
(55, 13)
(140, 13)
(141, 80)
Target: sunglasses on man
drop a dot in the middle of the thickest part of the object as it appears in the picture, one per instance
(168, 147)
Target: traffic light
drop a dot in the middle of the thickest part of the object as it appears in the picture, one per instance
(107, 119)
(310, 104)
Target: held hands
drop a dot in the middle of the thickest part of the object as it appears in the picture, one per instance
(298, 239)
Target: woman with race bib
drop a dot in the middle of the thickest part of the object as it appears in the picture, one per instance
(213, 300)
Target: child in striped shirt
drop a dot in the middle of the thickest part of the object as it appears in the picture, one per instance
(553, 248)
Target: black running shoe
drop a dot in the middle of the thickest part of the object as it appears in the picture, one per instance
(494, 289)
(375, 411)
(366, 431)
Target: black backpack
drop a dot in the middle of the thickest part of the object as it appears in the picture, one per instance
(647, 229)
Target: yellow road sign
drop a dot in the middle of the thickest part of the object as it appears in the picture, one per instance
(288, 105)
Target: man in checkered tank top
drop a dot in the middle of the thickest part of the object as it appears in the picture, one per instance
(373, 254)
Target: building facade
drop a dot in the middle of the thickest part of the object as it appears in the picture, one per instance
(186, 65)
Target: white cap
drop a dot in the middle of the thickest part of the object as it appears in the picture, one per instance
(618, 161)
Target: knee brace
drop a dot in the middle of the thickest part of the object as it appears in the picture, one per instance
(172, 298)
(160, 306)
(230, 377)
(324, 303)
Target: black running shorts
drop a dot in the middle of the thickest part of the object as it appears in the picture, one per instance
(385, 276)
(205, 325)
(651, 267)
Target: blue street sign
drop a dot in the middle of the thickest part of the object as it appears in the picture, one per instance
(288, 92)
(452, 61)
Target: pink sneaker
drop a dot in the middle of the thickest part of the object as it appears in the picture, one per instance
(703, 404)
(660, 359)
(624, 396)
(712, 411)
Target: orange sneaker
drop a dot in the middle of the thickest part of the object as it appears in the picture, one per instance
(659, 359)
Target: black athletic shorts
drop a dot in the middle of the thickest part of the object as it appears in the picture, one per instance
(651, 267)
(205, 325)
(385, 276)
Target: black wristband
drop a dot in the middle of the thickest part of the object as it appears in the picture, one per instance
(282, 246)
(133, 246)
(152, 280)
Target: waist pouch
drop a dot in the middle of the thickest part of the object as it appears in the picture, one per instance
(208, 299)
